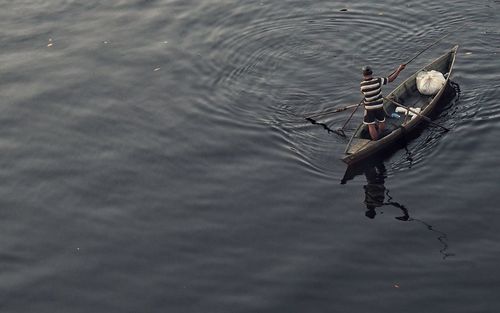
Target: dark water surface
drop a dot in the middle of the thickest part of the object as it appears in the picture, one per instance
(155, 158)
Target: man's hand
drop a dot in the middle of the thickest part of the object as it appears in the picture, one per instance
(395, 74)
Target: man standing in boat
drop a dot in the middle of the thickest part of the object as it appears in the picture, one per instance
(373, 100)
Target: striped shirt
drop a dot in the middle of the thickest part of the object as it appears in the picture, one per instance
(371, 89)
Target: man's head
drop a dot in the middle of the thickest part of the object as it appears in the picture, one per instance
(367, 70)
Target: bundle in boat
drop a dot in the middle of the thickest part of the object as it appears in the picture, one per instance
(429, 83)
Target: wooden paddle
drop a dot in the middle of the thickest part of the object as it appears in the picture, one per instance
(324, 113)
(338, 131)
(341, 130)
(417, 113)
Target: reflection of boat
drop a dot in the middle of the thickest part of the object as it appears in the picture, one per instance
(375, 191)
(361, 146)
(378, 196)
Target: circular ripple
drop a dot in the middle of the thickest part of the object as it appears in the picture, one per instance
(271, 65)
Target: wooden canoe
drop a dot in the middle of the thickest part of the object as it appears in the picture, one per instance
(360, 145)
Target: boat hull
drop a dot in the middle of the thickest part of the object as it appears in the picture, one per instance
(361, 147)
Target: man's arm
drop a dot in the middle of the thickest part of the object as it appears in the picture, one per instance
(393, 76)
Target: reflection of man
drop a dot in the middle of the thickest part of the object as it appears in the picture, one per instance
(374, 189)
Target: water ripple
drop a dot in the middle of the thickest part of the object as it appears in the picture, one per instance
(258, 63)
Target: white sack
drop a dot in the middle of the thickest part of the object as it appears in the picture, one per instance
(429, 83)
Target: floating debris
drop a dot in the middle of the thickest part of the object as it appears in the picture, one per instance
(156, 69)
(165, 41)
(396, 285)
(468, 53)
(343, 10)
(50, 44)
(105, 42)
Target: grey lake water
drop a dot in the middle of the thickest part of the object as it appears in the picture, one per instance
(154, 157)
